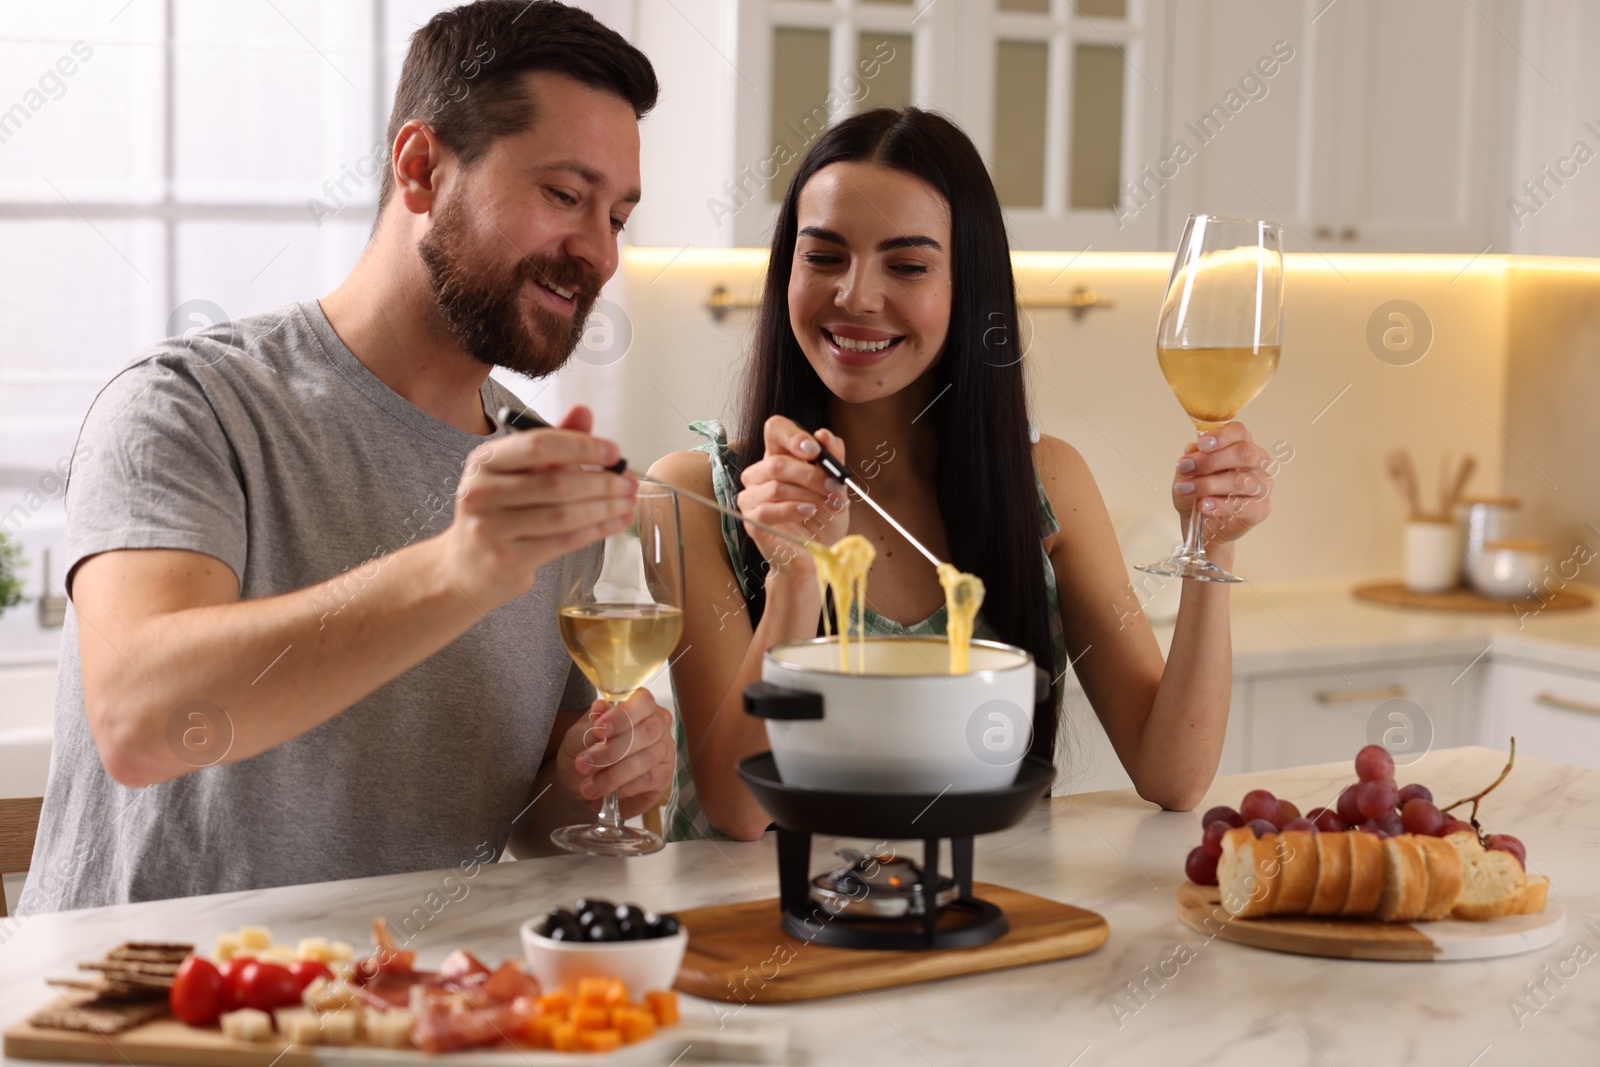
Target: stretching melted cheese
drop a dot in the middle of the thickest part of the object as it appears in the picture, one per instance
(842, 570)
(963, 596)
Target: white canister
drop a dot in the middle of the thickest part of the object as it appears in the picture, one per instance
(1482, 520)
(1510, 570)
(1433, 555)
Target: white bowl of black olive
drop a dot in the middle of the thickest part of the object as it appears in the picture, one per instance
(599, 939)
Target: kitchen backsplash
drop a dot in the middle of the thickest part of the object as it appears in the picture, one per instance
(1354, 383)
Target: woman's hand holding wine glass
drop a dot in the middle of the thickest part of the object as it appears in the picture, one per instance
(1228, 473)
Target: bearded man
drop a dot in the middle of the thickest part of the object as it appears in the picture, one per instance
(314, 588)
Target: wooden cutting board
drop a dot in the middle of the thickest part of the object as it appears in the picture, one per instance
(1395, 594)
(167, 1041)
(1200, 909)
(740, 952)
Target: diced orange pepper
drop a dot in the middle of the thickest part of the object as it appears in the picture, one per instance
(556, 1002)
(564, 1037)
(599, 1040)
(663, 1004)
(591, 1018)
(635, 1023)
(540, 1029)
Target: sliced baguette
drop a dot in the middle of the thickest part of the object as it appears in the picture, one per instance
(1366, 874)
(1532, 900)
(1247, 873)
(1492, 881)
(1333, 874)
(1297, 858)
(1405, 880)
(1444, 877)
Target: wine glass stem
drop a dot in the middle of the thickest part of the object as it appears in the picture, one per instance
(1194, 545)
(610, 815)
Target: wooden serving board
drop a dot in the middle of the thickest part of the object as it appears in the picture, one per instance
(1395, 594)
(167, 1041)
(1200, 909)
(741, 953)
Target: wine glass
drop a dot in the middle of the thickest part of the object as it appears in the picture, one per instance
(1217, 341)
(620, 618)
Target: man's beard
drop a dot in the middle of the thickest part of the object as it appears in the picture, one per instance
(482, 304)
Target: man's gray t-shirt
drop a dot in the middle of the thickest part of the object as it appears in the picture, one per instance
(265, 443)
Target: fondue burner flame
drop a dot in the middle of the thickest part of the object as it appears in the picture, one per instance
(880, 886)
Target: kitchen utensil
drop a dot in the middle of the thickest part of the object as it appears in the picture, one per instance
(903, 725)
(1404, 476)
(1510, 569)
(1468, 465)
(1217, 340)
(650, 963)
(828, 462)
(527, 420)
(620, 618)
(1368, 939)
(1432, 555)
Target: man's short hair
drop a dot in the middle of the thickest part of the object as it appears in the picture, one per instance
(463, 73)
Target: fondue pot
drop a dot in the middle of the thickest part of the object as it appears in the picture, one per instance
(904, 725)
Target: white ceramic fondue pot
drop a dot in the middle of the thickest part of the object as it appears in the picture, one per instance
(904, 725)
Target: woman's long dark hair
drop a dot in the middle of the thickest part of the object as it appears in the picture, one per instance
(987, 494)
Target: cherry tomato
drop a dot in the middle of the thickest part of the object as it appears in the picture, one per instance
(307, 971)
(198, 993)
(265, 986)
(231, 971)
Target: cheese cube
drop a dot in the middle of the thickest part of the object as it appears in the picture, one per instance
(298, 1025)
(227, 947)
(247, 1024)
(280, 954)
(314, 948)
(391, 1029)
(341, 1027)
(341, 950)
(254, 937)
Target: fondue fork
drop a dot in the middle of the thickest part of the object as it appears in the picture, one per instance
(828, 463)
(527, 420)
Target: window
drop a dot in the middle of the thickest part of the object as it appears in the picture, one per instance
(165, 163)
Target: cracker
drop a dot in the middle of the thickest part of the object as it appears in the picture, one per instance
(97, 1015)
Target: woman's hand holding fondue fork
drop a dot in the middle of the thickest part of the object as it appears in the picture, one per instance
(787, 487)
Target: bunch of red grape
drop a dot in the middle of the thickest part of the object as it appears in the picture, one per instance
(1373, 804)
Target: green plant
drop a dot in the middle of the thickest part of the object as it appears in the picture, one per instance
(11, 564)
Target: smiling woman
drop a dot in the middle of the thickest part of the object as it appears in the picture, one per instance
(889, 316)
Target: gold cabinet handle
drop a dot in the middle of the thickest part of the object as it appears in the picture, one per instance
(1080, 301)
(1360, 696)
(1555, 700)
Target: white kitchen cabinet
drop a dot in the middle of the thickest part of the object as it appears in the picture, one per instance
(1323, 716)
(1553, 713)
(1387, 130)
(1063, 99)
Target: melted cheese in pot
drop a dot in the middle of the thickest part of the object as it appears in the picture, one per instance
(963, 596)
(842, 570)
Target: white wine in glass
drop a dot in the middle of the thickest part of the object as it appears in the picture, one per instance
(620, 620)
(1218, 340)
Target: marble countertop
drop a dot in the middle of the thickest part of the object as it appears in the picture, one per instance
(1296, 626)
(1200, 1002)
